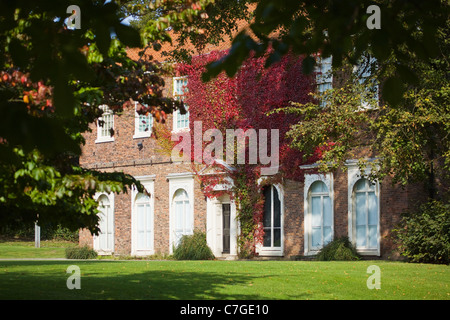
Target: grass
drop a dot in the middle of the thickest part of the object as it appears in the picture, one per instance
(22, 249)
(243, 280)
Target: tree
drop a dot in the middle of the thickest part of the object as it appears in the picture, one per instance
(53, 79)
(410, 141)
(340, 29)
(409, 131)
(197, 22)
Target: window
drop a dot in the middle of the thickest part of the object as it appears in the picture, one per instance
(365, 215)
(321, 217)
(143, 124)
(144, 223)
(324, 77)
(104, 242)
(364, 72)
(318, 199)
(105, 125)
(183, 224)
(142, 217)
(180, 121)
(272, 219)
(364, 209)
(181, 210)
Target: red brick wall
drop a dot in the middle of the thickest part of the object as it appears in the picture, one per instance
(123, 155)
(393, 201)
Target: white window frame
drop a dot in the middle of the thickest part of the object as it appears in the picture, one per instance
(324, 76)
(309, 180)
(177, 95)
(96, 239)
(102, 135)
(354, 174)
(148, 183)
(178, 181)
(137, 121)
(275, 251)
(362, 78)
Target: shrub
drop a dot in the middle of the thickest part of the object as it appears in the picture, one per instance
(338, 249)
(62, 233)
(48, 232)
(424, 236)
(80, 253)
(193, 247)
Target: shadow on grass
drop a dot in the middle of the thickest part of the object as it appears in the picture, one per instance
(115, 280)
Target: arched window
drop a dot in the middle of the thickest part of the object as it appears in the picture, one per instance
(272, 218)
(365, 215)
(104, 242)
(183, 224)
(144, 222)
(320, 216)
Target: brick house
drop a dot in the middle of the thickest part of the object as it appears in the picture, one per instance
(301, 216)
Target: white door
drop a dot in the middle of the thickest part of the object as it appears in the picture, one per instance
(182, 219)
(104, 242)
(366, 211)
(144, 223)
(321, 215)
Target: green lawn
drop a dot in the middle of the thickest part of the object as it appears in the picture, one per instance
(26, 249)
(245, 280)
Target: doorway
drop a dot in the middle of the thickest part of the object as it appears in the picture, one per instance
(226, 213)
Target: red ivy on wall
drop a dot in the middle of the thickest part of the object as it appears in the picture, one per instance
(243, 102)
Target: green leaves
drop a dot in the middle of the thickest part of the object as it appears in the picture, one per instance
(393, 90)
(46, 106)
(128, 35)
(21, 129)
(423, 235)
(308, 65)
(36, 185)
(338, 28)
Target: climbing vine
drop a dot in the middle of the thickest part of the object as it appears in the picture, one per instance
(244, 102)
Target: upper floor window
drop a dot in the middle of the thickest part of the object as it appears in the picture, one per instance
(105, 125)
(142, 124)
(364, 73)
(180, 121)
(324, 77)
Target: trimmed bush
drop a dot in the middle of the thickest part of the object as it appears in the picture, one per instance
(193, 247)
(81, 253)
(424, 236)
(340, 249)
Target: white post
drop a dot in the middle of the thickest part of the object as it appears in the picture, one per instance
(37, 235)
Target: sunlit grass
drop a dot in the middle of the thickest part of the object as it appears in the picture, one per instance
(248, 280)
(26, 249)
